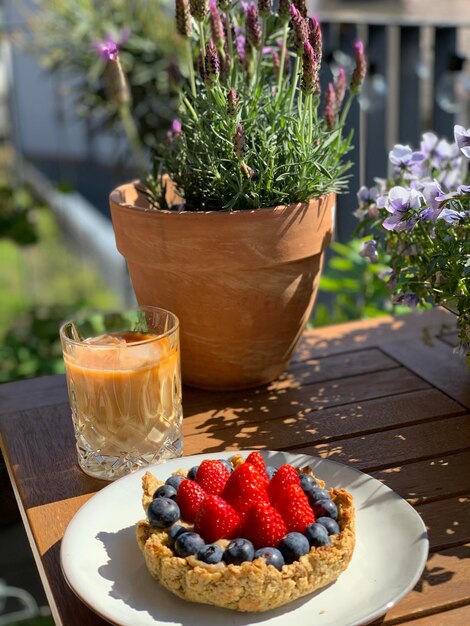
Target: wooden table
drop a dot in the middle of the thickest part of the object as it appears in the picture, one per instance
(386, 396)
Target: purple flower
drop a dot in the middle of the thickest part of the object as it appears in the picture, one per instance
(217, 29)
(340, 87)
(233, 103)
(239, 141)
(369, 249)
(315, 37)
(253, 27)
(365, 195)
(329, 112)
(390, 279)
(176, 128)
(405, 159)
(108, 49)
(462, 139)
(463, 189)
(300, 29)
(309, 81)
(428, 144)
(360, 71)
(399, 202)
(434, 197)
(408, 299)
(211, 63)
(451, 216)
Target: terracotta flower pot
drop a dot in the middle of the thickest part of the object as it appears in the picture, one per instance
(242, 283)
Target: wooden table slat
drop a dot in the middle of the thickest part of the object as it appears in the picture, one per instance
(454, 617)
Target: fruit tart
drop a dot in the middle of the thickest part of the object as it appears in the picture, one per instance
(245, 536)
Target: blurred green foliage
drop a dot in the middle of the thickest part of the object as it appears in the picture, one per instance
(64, 37)
(356, 291)
(41, 283)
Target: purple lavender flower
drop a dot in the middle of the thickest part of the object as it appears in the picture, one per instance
(340, 87)
(369, 249)
(211, 63)
(176, 128)
(199, 9)
(240, 44)
(217, 29)
(329, 111)
(225, 65)
(315, 37)
(253, 27)
(399, 202)
(265, 7)
(183, 18)
(301, 7)
(309, 80)
(360, 70)
(108, 49)
(284, 9)
(462, 139)
(300, 29)
(239, 141)
(233, 103)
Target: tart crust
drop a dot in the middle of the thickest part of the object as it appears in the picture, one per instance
(251, 586)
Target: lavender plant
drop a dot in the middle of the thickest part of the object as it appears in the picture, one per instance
(253, 128)
(421, 214)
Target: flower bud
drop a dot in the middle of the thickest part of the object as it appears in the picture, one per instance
(212, 63)
(340, 87)
(224, 5)
(301, 7)
(253, 27)
(265, 7)
(117, 88)
(360, 70)
(284, 9)
(300, 29)
(233, 103)
(315, 37)
(309, 81)
(183, 18)
(217, 29)
(239, 141)
(329, 112)
(199, 9)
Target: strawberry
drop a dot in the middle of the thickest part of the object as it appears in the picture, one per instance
(255, 458)
(244, 488)
(294, 508)
(216, 519)
(189, 498)
(285, 475)
(212, 476)
(263, 526)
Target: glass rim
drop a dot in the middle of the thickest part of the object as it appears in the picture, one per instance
(143, 307)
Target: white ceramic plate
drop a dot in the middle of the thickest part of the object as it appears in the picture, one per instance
(104, 566)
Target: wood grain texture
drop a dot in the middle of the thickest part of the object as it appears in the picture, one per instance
(372, 395)
(443, 586)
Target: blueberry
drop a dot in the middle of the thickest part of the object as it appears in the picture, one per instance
(317, 535)
(175, 531)
(192, 472)
(317, 494)
(272, 556)
(325, 508)
(188, 543)
(210, 554)
(307, 482)
(293, 546)
(239, 550)
(165, 491)
(330, 525)
(270, 471)
(163, 512)
(175, 481)
(227, 465)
